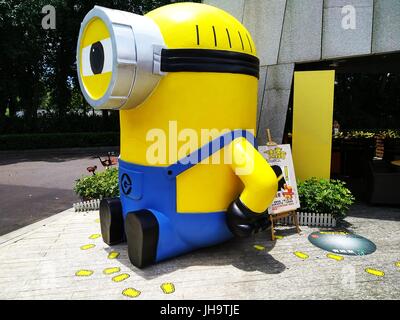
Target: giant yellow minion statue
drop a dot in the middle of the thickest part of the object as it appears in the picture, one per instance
(182, 68)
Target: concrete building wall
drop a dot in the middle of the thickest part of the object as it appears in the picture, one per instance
(235, 7)
(264, 20)
(287, 32)
(386, 28)
(301, 34)
(341, 42)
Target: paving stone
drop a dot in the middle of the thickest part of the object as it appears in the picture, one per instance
(233, 270)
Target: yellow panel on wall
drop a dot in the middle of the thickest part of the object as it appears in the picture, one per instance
(312, 123)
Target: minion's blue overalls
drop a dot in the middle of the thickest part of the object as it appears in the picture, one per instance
(154, 189)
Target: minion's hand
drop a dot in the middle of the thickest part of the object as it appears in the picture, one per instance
(243, 222)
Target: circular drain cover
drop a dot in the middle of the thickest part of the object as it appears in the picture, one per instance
(342, 243)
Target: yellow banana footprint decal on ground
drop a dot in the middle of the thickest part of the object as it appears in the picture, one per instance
(95, 236)
(301, 255)
(120, 277)
(168, 288)
(131, 292)
(88, 246)
(113, 255)
(84, 273)
(334, 257)
(112, 270)
(259, 247)
(375, 272)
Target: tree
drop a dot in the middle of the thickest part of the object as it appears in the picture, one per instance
(37, 66)
(22, 67)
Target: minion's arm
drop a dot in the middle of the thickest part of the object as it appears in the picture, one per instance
(248, 213)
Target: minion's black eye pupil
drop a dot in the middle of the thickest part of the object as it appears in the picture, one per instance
(97, 57)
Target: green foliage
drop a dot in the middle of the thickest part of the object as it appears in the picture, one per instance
(37, 66)
(389, 134)
(101, 185)
(368, 134)
(359, 134)
(325, 196)
(58, 140)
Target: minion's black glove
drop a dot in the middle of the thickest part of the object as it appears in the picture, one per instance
(243, 222)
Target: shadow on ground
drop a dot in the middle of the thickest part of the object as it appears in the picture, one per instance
(367, 211)
(236, 252)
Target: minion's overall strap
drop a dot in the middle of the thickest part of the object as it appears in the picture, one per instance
(206, 151)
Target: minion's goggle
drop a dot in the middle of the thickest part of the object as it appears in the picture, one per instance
(122, 56)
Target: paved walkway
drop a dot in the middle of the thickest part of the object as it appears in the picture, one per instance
(64, 257)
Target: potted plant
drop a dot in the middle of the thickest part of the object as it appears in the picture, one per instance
(323, 201)
(91, 189)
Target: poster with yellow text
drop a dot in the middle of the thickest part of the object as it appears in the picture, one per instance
(280, 159)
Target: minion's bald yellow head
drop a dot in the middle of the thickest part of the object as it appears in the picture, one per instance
(201, 26)
(122, 56)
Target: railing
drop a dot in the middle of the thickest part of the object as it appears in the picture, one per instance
(89, 205)
(311, 219)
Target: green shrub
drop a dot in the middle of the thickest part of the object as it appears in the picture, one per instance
(101, 185)
(368, 134)
(389, 134)
(325, 196)
(58, 140)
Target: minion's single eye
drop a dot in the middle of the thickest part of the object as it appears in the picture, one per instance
(97, 58)
(118, 58)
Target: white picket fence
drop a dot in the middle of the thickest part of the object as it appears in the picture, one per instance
(311, 219)
(87, 205)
